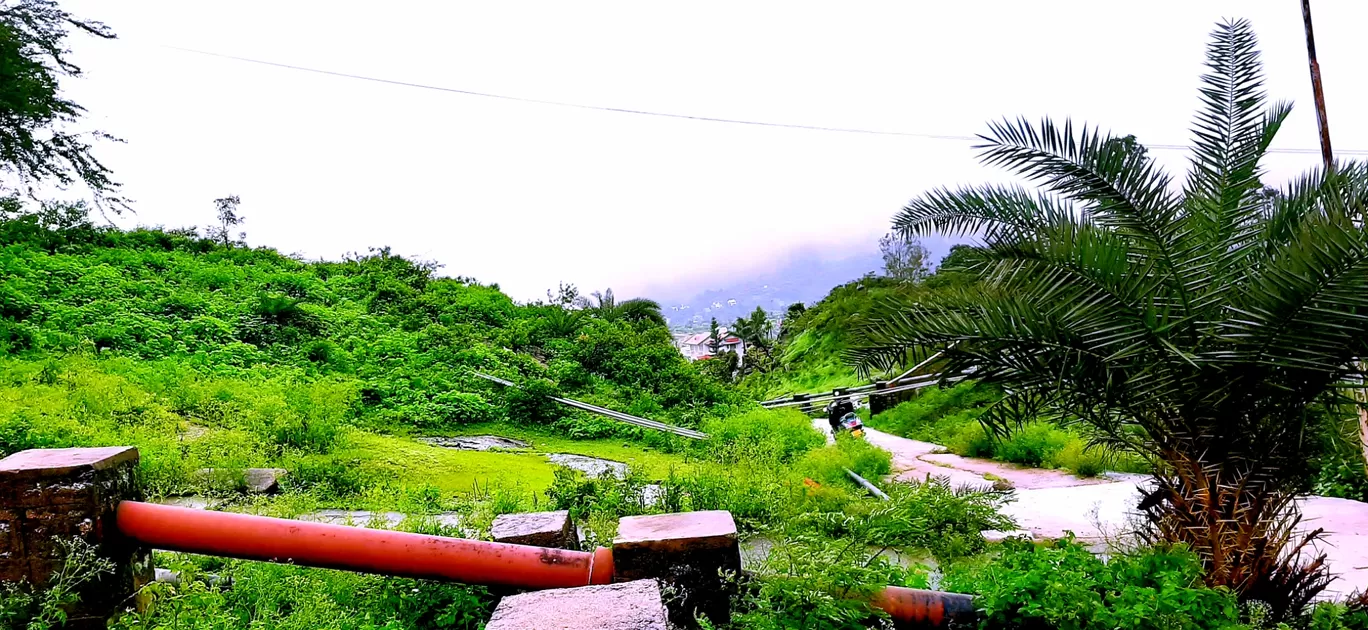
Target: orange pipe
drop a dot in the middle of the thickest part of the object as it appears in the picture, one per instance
(917, 608)
(358, 549)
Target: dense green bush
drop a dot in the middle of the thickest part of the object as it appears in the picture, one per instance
(1065, 586)
(779, 435)
(828, 465)
(948, 522)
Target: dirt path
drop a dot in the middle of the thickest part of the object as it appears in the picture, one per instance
(1051, 503)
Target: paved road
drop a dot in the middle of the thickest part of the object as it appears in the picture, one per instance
(1051, 503)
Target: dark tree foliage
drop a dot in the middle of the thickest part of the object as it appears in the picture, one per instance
(756, 330)
(36, 143)
(636, 310)
(904, 257)
(226, 211)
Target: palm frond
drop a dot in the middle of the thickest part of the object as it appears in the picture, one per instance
(1232, 130)
(989, 212)
(1122, 187)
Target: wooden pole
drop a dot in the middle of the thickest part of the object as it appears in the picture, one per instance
(1316, 90)
(1329, 158)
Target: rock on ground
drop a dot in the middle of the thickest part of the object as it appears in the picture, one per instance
(263, 480)
(477, 443)
(591, 466)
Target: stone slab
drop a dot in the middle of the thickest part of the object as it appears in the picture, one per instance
(713, 529)
(64, 462)
(626, 606)
(539, 529)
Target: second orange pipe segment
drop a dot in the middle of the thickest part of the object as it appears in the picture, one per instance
(356, 549)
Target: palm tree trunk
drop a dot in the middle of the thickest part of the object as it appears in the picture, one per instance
(1363, 429)
(1243, 526)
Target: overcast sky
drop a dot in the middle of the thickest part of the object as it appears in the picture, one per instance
(527, 195)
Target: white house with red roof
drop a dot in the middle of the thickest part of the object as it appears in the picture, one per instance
(699, 346)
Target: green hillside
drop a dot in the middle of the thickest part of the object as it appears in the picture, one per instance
(213, 355)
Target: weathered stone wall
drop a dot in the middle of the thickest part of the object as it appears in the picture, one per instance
(71, 493)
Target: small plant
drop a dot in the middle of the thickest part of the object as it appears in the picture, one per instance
(809, 581)
(949, 522)
(22, 606)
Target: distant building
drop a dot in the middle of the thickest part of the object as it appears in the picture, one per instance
(697, 346)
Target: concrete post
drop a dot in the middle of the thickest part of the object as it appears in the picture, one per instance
(695, 554)
(877, 403)
(64, 493)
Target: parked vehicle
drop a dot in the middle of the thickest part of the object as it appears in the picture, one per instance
(851, 422)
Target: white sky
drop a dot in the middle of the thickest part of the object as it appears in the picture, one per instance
(526, 195)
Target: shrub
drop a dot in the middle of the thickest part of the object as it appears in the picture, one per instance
(813, 582)
(456, 408)
(22, 606)
(330, 477)
(287, 597)
(532, 404)
(1033, 444)
(828, 465)
(948, 522)
(772, 435)
(1063, 585)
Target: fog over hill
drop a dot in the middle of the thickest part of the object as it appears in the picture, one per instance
(804, 275)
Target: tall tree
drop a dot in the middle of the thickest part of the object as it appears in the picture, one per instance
(37, 143)
(228, 218)
(756, 330)
(714, 337)
(904, 257)
(1204, 330)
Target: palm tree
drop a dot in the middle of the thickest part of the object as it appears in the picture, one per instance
(1206, 328)
(757, 330)
(635, 310)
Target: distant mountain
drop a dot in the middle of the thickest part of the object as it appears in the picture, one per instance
(804, 276)
(803, 279)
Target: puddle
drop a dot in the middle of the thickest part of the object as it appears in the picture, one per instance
(193, 503)
(754, 551)
(477, 443)
(591, 466)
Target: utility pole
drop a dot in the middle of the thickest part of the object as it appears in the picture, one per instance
(1316, 90)
(1329, 157)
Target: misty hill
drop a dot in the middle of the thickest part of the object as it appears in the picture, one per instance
(804, 276)
(802, 279)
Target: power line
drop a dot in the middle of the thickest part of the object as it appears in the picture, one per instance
(642, 112)
(538, 101)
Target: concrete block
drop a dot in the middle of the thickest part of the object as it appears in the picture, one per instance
(695, 554)
(52, 494)
(539, 529)
(627, 606)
